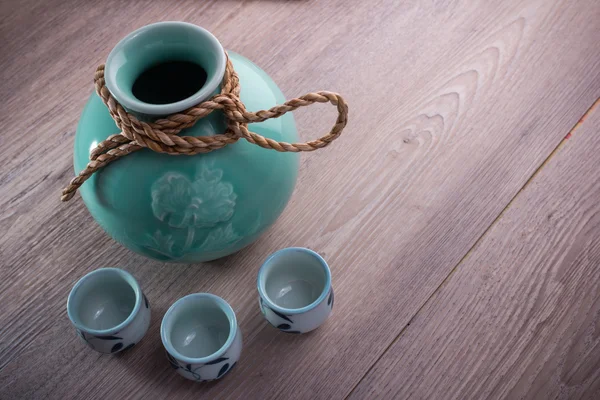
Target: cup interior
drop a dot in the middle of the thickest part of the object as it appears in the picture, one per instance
(198, 326)
(294, 278)
(103, 299)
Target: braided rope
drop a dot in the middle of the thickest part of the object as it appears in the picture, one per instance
(161, 136)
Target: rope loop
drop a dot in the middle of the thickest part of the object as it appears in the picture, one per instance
(162, 136)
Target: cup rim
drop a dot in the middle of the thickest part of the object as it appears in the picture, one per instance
(223, 305)
(260, 281)
(132, 103)
(109, 331)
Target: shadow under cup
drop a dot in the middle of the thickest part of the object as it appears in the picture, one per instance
(294, 278)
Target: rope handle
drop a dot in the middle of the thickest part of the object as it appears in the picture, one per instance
(162, 136)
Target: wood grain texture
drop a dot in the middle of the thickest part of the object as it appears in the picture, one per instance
(520, 316)
(453, 106)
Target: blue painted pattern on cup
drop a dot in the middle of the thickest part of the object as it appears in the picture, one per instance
(109, 311)
(295, 292)
(201, 337)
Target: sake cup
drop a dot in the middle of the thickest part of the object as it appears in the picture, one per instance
(108, 310)
(295, 292)
(201, 336)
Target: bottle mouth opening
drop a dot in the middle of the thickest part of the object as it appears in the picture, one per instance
(165, 68)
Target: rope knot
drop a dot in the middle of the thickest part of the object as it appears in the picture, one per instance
(232, 106)
(162, 136)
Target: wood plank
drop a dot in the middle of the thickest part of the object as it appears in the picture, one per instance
(520, 317)
(453, 107)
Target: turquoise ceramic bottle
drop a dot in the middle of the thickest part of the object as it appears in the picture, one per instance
(186, 208)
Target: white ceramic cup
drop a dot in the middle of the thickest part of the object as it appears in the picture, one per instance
(201, 336)
(295, 292)
(109, 310)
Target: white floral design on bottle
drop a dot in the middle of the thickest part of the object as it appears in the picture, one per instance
(187, 204)
(202, 203)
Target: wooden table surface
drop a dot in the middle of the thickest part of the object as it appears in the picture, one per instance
(459, 211)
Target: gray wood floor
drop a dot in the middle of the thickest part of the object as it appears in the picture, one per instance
(460, 210)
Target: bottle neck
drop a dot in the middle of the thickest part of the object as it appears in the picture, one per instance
(144, 53)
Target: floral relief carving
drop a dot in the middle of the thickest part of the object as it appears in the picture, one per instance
(193, 206)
